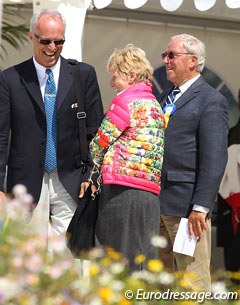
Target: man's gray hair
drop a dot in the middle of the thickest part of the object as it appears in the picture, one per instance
(53, 13)
(193, 46)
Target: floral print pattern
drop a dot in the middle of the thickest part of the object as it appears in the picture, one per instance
(130, 142)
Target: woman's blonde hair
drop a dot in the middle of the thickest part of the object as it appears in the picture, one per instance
(130, 59)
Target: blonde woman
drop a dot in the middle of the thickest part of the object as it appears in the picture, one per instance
(128, 148)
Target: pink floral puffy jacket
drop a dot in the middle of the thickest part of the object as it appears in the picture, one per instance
(130, 141)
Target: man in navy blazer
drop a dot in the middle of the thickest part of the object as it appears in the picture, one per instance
(22, 114)
(195, 156)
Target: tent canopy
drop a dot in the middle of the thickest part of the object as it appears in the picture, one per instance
(222, 14)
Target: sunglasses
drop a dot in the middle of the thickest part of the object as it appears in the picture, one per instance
(46, 42)
(172, 54)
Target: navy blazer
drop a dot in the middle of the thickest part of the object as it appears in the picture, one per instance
(195, 152)
(22, 112)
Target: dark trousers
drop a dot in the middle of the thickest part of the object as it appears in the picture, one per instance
(232, 255)
(127, 220)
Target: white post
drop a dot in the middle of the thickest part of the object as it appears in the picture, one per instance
(74, 12)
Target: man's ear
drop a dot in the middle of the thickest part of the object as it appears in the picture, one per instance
(30, 36)
(194, 60)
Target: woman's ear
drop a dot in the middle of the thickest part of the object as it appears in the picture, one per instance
(132, 77)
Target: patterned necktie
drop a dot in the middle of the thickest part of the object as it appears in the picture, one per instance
(169, 107)
(50, 110)
(172, 95)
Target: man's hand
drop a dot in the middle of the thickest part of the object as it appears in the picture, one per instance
(197, 224)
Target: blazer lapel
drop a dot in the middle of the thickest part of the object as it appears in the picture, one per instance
(163, 97)
(190, 94)
(65, 82)
(30, 81)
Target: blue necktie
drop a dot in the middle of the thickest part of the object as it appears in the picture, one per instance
(50, 110)
(171, 97)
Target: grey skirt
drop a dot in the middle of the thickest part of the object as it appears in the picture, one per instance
(127, 220)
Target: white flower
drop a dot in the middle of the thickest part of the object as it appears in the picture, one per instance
(166, 278)
(116, 268)
(159, 241)
(117, 285)
(96, 301)
(96, 253)
(19, 190)
(144, 275)
(9, 287)
(17, 261)
(105, 279)
(219, 287)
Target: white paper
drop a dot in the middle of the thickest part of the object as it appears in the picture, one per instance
(184, 243)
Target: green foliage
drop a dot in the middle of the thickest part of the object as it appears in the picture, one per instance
(13, 34)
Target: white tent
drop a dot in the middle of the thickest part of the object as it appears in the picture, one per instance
(219, 13)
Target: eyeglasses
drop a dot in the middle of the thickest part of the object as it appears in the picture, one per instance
(46, 42)
(172, 54)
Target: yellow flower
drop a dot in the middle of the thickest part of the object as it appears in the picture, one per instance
(155, 265)
(5, 249)
(140, 259)
(184, 283)
(179, 274)
(124, 301)
(114, 254)
(105, 294)
(236, 275)
(106, 261)
(94, 269)
(24, 298)
(188, 302)
(134, 284)
(185, 278)
(148, 161)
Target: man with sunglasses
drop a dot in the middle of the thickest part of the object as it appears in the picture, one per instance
(27, 92)
(195, 156)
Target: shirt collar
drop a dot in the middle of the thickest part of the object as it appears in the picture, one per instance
(186, 85)
(41, 71)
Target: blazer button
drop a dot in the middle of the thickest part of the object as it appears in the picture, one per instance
(43, 140)
(42, 164)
